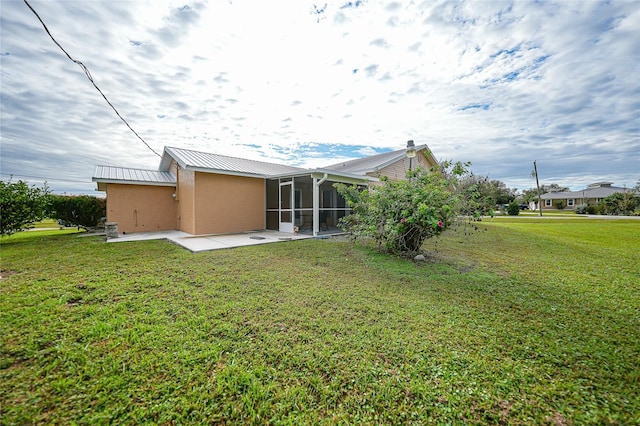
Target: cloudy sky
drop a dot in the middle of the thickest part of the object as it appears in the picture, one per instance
(305, 83)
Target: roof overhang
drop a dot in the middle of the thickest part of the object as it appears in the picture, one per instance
(331, 175)
(102, 183)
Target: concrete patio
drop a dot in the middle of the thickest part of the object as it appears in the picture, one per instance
(197, 243)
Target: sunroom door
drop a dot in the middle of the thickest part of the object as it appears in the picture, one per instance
(286, 207)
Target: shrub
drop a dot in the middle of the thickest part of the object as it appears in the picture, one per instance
(82, 210)
(620, 203)
(559, 205)
(513, 209)
(401, 215)
(582, 208)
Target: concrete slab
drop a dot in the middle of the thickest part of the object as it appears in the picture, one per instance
(197, 243)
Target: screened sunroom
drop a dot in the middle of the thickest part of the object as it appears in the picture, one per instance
(308, 202)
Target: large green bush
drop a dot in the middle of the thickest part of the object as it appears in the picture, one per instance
(81, 210)
(400, 215)
(620, 204)
(21, 205)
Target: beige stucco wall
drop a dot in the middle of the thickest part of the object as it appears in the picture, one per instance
(139, 208)
(224, 203)
(186, 183)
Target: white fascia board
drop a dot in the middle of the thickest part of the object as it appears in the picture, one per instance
(419, 150)
(224, 172)
(332, 175)
(133, 182)
(165, 160)
(343, 177)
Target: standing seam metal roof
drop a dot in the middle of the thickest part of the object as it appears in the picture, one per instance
(215, 163)
(204, 161)
(125, 174)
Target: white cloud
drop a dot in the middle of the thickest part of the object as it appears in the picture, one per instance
(496, 83)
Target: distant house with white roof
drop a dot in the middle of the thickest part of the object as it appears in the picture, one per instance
(592, 194)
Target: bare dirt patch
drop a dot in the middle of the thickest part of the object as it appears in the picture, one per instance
(6, 273)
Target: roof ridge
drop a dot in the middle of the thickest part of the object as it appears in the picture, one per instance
(390, 157)
(133, 168)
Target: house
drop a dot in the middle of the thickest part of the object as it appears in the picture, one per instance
(203, 193)
(592, 194)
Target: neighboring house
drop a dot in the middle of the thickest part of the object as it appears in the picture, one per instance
(202, 193)
(592, 194)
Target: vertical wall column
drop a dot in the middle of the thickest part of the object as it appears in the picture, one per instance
(316, 207)
(316, 203)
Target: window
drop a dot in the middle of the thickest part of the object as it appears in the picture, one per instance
(547, 203)
(570, 202)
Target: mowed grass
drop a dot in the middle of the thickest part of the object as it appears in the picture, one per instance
(522, 322)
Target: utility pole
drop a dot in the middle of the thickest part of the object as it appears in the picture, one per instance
(535, 170)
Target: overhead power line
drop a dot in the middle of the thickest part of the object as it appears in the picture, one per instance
(88, 74)
(43, 178)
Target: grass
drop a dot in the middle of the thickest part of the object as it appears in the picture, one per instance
(549, 213)
(523, 322)
(46, 223)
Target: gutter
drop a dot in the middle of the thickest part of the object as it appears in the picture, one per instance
(321, 181)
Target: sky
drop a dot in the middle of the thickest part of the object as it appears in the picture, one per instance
(499, 84)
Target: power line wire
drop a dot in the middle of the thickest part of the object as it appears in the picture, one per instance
(88, 74)
(44, 178)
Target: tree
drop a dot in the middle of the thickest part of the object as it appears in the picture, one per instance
(483, 194)
(532, 194)
(81, 210)
(554, 187)
(21, 205)
(401, 215)
(529, 195)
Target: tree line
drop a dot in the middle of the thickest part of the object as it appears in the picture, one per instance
(22, 205)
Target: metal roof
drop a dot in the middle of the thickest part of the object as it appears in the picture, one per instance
(361, 166)
(222, 164)
(215, 163)
(110, 174)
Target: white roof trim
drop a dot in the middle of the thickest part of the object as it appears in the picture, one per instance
(133, 182)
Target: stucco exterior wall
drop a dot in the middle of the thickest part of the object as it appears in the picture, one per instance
(186, 183)
(226, 204)
(140, 208)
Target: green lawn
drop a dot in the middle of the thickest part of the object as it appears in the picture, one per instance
(46, 223)
(523, 322)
